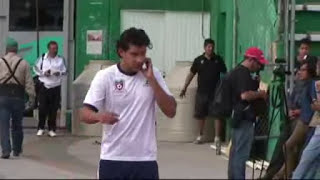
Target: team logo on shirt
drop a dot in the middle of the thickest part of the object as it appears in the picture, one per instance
(119, 85)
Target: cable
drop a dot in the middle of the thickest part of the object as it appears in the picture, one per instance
(202, 21)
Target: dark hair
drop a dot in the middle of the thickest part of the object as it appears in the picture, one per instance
(52, 43)
(133, 36)
(306, 41)
(311, 68)
(208, 41)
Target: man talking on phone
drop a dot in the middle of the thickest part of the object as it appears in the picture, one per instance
(123, 99)
(50, 69)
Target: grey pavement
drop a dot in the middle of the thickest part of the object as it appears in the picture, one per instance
(70, 157)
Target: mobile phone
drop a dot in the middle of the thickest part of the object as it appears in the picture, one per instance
(144, 66)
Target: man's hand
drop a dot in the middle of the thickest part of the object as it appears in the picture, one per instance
(315, 106)
(47, 73)
(107, 118)
(29, 105)
(148, 72)
(263, 94)
(293, 114)
(246, 95)
(183, 93)
(253, 95)
(56, 73)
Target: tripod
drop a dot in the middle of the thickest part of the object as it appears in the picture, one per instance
(278, 109)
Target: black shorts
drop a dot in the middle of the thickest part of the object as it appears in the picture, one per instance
(128, 170)
(202, 104)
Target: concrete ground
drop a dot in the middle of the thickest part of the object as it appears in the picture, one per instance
(70, 157)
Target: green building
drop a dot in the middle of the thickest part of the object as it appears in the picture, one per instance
(177, 29)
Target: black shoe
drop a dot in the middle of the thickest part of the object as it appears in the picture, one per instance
(16, 154)
(5, 156)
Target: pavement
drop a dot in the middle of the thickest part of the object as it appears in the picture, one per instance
(72, 157)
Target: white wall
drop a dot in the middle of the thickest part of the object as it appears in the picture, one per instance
(176, 36)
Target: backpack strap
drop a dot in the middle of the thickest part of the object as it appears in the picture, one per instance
(42, 57)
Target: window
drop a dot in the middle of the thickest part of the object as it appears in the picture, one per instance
(22, 15)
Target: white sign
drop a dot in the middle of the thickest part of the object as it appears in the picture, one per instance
(94, 42)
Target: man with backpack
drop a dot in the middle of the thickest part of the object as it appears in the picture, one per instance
(50, 69)
(208, 66)
(15, 80)
(244, 93)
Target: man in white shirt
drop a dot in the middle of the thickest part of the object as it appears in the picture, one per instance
(50, 69)
(123, 99)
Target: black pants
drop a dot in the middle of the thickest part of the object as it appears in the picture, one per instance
(128, 170)
(277, 159)
(49, 103)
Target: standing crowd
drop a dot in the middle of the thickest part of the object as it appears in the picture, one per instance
(123, 99)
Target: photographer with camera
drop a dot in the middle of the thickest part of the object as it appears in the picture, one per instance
(244, 94)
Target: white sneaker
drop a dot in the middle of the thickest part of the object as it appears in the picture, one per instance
(199, 140)
(40, 132)
(52, 134)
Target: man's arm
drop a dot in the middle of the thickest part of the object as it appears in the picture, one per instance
(186, 84)
(29, 85)
(193, 71)
(94, 102)
(37, 68)
(223, 69)
(167, 103)
(90, 115)
(253, 95)
(64, 67)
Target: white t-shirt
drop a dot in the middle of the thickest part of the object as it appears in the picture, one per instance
(56, 64)
(133, 138)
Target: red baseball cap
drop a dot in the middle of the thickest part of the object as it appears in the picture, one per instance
(256, 53)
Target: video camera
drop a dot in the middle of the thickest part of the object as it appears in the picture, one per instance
(280, 68)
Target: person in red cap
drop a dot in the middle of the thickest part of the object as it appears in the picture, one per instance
(244, 94)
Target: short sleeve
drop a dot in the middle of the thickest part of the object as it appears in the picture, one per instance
(223, 68)
(96, 94)
(244, 81)
(195, 67)
(162, 82)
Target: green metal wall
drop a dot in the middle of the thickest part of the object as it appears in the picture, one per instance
(256, 25)
(258, 30)
(105, 15)
(90, 15)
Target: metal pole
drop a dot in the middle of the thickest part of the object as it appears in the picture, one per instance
(37, 27)
(234, 55)
(292, 42)
(286, 38)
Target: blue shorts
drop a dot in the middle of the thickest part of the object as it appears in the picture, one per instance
(128, 170)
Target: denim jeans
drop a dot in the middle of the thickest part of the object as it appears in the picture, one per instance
(11, 108)
(242, 139)
(308, 164)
